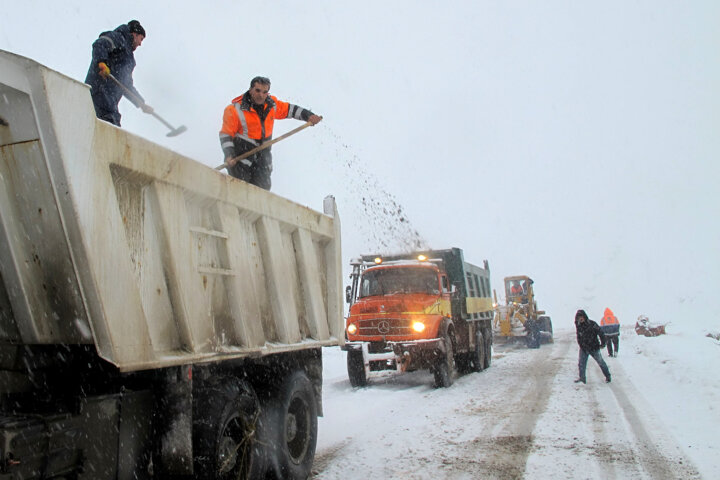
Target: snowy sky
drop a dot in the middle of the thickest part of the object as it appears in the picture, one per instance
(572, 141)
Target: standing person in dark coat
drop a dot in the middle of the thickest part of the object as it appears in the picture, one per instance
(112, 53)
(590, 338)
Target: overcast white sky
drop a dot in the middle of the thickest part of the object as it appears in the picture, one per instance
(576, 142)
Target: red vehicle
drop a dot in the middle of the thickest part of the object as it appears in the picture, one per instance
(423, 310)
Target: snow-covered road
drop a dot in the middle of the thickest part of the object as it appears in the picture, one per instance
(522, 418)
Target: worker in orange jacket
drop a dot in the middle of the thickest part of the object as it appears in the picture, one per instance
(248, 123)
(611, 328)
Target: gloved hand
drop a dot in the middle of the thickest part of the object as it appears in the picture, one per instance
(103, 69)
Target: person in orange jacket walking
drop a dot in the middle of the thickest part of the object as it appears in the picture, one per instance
(248, 123)
(611, 328)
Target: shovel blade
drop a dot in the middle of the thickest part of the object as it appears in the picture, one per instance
(177, 131)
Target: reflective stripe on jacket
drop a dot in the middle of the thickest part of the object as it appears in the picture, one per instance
(241, 121)
(609, 323)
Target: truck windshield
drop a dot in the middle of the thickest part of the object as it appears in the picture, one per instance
(388, 281)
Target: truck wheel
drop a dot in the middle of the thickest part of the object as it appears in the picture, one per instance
(546, 326)
(356, 368)
(550, 329)
(445, 369)
(225, 422)
(488, 350)
(294, 425)
(478, 355)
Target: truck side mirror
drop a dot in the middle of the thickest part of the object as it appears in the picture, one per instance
(347, 294)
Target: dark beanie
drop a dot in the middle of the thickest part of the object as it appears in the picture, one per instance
(135, 27)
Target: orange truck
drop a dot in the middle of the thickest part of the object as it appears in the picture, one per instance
(422, 310)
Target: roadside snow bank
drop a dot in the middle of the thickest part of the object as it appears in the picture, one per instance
(677, 374)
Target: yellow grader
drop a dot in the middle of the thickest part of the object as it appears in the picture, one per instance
(520, 318)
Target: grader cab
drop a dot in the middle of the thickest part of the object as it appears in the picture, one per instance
(519, 318)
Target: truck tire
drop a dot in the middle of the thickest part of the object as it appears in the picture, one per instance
(445, 369)
(356, 368)
(546, 326)
(488, 349)
(293, 414)
(225, 422)
(478, 354)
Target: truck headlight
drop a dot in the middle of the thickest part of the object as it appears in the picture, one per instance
(418, 326)
(352, 328)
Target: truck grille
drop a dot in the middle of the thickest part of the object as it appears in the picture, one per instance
(384, 326)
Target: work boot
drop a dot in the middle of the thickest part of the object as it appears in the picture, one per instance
(607, 380)
(580, 380)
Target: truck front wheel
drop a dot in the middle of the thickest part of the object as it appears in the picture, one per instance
(356, 368)
(445, 369)
(294, 423)
(225, 422)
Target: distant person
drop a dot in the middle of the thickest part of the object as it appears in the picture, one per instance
(248, 123)
(112, 54)
(590, 339)
(525, 290)
(516, 289)
(611, 329)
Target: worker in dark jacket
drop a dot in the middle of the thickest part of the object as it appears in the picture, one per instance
(112, 54)
(248, 123)
(590, 338)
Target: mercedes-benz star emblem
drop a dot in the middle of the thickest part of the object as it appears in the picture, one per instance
(384, 327)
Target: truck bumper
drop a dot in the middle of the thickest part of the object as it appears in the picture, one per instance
(398, 356)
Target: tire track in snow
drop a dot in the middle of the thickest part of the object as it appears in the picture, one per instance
(653, 452)
(610, 438)
(509, 416)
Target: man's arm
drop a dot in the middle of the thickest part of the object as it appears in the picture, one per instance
(101, 50)
(102, 47)
(230, 126)
(601, 336)
(288, 110)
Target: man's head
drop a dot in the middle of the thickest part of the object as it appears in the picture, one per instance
(138, 33)
(581, 316)
(259, 89)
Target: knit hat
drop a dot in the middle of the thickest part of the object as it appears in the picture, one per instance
(135, 27)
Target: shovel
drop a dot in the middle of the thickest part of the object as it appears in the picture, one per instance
(265, 145)
(173, 131)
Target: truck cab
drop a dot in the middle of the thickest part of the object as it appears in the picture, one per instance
(425, 310)
(399, 302)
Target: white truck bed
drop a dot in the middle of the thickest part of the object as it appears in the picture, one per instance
(109, 239)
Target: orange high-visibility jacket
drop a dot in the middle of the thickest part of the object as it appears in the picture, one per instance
(609, 318)
(242, 122)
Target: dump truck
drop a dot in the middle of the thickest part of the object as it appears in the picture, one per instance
(519, 317)
(157, 318)
(421, 310)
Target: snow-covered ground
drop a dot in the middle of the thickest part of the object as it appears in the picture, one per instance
(525, 418)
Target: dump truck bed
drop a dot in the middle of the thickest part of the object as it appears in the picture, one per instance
(156, 259)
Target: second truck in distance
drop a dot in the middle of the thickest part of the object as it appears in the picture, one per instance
(421, 310)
